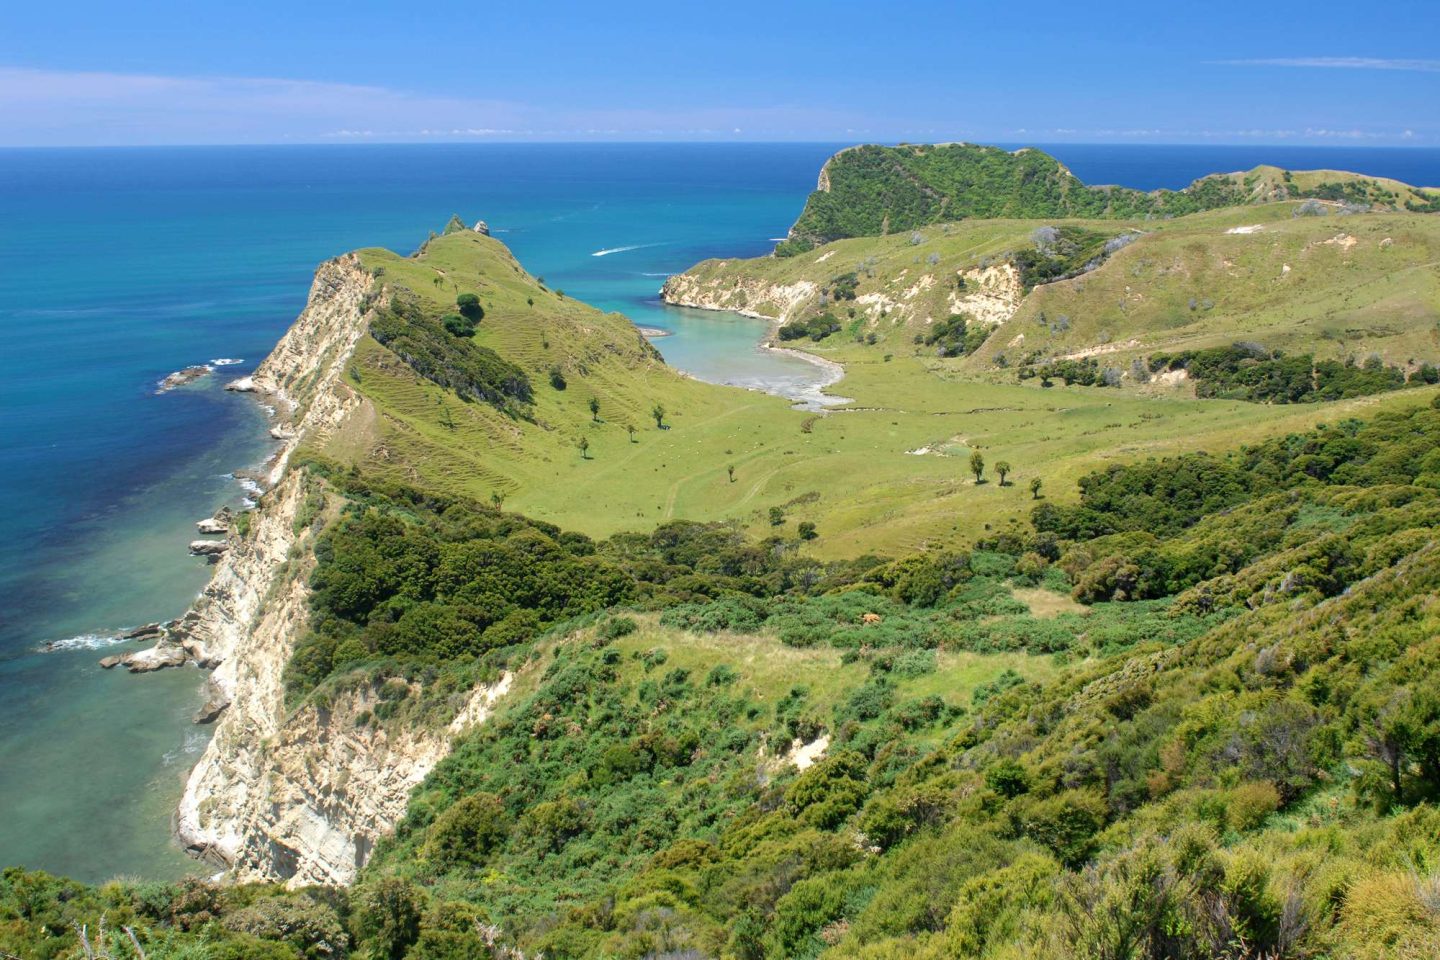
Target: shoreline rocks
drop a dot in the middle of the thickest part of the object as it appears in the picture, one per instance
(215, 703)
(166, 653)
(218, 524)
(182, 377)
(210, 549)
(149, 631)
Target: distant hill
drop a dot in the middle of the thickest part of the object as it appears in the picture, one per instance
(873, 191)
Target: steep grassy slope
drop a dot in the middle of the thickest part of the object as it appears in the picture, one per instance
(419, 431)
(873, 190)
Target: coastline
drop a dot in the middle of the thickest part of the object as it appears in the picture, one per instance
(817, 398)
(814, 397)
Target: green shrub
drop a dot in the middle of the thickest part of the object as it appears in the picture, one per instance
(467, 832)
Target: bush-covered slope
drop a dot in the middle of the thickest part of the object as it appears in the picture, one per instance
(1244, 766)
(873, 190)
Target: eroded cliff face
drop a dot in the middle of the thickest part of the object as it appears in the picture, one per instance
(749, 296)
(301, 796)
(305, 373)
(990, 295)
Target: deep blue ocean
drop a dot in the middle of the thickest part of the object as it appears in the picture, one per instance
(122, 265)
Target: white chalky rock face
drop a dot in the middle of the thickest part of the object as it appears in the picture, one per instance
(297, 797)
(746, 296)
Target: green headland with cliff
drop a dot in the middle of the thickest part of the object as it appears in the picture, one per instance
(1098, 619)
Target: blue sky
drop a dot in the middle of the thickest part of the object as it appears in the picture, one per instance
(298, 71)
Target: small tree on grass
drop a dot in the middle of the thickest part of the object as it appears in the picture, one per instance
(777, 516)
(658, 412)
(1035, 484)
(731, 471)
(584, 446)
(469, 306)
(630, 429)
(977, 466)
(595, 409)
(1002, 467)
(807, 530)
(497, 499)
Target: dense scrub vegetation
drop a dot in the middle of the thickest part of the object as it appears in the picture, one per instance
(1246, 371)
(415, 578)
(816, 327)
(440, 350)
(1059, 254)
(875, 190)
(878, 190)
(1237, 754)
(1085, 372)
(954, 336)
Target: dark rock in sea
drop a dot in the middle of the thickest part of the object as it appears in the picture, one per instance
(212, 709)
(149, 631)
(181, 377)
(211, 549)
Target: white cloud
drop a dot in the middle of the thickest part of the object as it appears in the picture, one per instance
(51, 107)
(1339, 63)
(97, 108)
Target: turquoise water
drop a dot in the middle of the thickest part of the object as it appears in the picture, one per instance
(123, 265)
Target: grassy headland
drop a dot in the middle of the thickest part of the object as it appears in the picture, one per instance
(873, 190)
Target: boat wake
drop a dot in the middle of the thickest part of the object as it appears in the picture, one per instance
(635, 246)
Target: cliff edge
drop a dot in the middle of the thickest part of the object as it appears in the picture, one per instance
(294, 796)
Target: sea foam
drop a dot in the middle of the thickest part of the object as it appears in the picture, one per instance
(86, 641)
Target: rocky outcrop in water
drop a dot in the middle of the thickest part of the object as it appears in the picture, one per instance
(218, 524)
(181, 378)
(210, 549)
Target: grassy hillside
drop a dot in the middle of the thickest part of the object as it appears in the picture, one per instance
(873, 191)
(892, 499)
(1336, 287)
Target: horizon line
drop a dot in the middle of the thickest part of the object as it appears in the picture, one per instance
(1308, 144)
